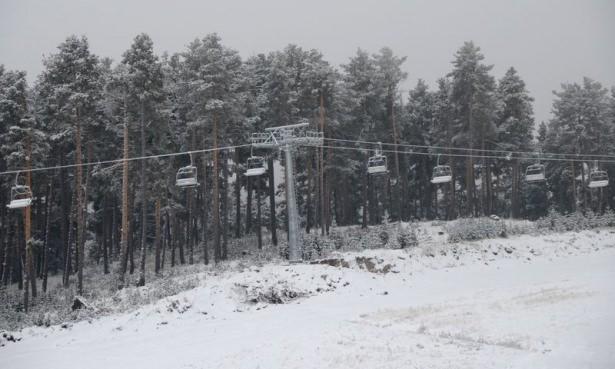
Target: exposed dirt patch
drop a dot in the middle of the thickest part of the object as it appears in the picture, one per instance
(333, 262)
(275, 294)
(373, 265)
(370, 264)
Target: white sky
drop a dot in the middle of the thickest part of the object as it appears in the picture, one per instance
(548, 42)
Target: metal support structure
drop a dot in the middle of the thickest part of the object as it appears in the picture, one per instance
(288, 138)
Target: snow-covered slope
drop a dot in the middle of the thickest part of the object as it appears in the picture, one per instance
(539, 302)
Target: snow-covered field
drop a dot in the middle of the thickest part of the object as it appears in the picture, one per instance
(523, 302)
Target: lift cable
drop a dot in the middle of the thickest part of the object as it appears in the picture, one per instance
(498, 154)
(363, 149)
(502, 151)
(115, 161)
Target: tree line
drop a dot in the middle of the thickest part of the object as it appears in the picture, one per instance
(84, 108)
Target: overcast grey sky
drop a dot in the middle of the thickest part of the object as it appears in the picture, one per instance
(548, 42)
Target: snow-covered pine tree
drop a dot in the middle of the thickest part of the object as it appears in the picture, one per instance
(67, 95)
(473, 97)
(581, 124)
(390, 75)
(441, 134)
(211, 73)
(417, 129)
(515, 124)
(144, 83)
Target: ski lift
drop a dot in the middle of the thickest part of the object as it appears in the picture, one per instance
(256, 166)
(535, 173)
(21, 195)
(377, 164)
(187, 176)
(598, 179)
(441, 173)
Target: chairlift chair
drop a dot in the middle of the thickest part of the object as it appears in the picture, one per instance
(598, 179)
(377, 164)
(21, 195)
(442, 174)
(256, 166)
(186, 177)
(535, 173)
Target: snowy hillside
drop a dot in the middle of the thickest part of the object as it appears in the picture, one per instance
(528, 301)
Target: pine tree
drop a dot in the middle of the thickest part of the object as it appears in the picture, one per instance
(68, 91)
(211, 74)
(515, 122)
(442, 135)
(144, 81)
(580, 124)
(472, 95)
(362, 94)
(390, 76)
(20, 144)
(417, 129)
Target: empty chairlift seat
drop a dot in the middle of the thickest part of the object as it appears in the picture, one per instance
(535, 173)
(21, 197)
(256, 166)
(377, 164)
(598, 178)
(442, 174)
(186, 177)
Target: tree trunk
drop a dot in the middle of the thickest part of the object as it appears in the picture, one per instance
(3, 237)
(80, 206)
(180, 242)
(189, 238)
(166, 240)
(470, 182)
(321, 169)
(327, 183)
(514, 195)
(272, 218)
(48, 205)
(27, 268)
(174, 239)
(237, 195)
(225, 206)
(249, 206)
(114, 252)
(69, 243)
(66, 214)
(19, 262)
(157, 239)
(365, 192)
(216, 195)
(141, 281)
(397, 198)
(574, 188)
(489, 182)
(204, 216)
(258, 213)
(8, 246)
(107, 232)
(308, 203)
(131, 237)
(583, 189)
(125, 215)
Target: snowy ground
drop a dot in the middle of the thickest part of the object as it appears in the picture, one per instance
(524, 302)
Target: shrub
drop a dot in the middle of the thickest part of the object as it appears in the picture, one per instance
(316, 246)
(556, 222)
(472, 229)
(406, 237)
